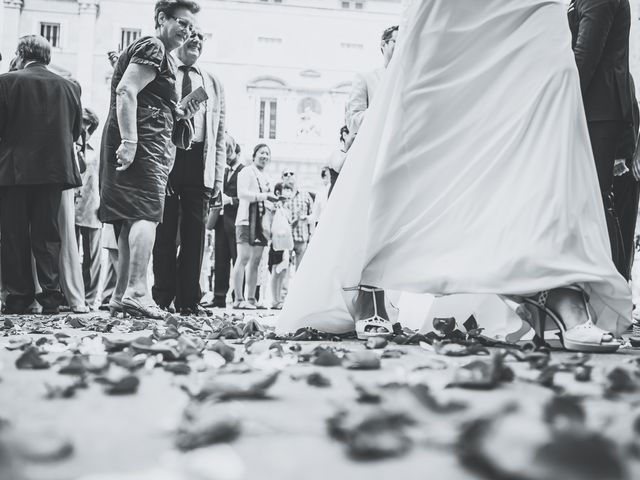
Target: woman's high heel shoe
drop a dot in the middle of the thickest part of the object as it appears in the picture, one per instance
(378, 323)
(585, 337)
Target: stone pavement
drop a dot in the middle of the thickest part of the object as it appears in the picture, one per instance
(283, 434)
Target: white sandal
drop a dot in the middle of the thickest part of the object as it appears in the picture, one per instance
(586, 337)
(378, 324)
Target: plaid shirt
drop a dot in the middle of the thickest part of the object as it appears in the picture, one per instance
(300, 204)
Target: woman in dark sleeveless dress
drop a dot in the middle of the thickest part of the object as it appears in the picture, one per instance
(137, 151)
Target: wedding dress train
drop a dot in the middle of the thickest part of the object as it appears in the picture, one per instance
(472, 172)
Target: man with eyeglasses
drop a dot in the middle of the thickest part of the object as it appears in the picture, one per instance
(300, 207)
(364, 85)
(195, 181)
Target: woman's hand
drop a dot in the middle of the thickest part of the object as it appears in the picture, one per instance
(125, 154)
(189, 111)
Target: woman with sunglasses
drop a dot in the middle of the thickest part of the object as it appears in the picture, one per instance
(254, 195)
(137, 150)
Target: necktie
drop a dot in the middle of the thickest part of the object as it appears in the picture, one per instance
(186, 80)
(186, 85)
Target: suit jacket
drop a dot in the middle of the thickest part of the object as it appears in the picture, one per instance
(215, 149)
(600, 30)
(230, 188)
(363, 88)
(40, 119)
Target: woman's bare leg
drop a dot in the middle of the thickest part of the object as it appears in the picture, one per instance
(252, 271)
(244, 255)
(122, 267)
(141, 238)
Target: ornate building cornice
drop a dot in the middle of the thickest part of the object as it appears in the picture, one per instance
(88, 6)
(14, 4)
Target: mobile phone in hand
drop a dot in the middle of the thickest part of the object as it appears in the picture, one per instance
(217, 201)
(199, 95)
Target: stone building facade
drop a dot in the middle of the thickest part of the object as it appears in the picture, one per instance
(286, 65)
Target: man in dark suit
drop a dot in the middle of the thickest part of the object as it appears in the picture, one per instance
(40, 118)
(225, 247)
(196, 178)
(600, 30)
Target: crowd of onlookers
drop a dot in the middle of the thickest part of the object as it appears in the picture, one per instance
(84, 220)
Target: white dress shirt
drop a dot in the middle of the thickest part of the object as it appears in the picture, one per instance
(196, 81)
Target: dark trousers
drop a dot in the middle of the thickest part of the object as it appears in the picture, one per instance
(177, 277)
(110, 277)
(626, 193)
(89, 239)
(605, 138)
(29, 223)
(333, 177)
(225, 254)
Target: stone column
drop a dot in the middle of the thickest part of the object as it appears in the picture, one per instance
(10, 30)
(87, 11)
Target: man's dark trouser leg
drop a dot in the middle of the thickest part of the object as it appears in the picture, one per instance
(45, 242)
(110, 277)
(164, 254)
(90, 262)
(17, 279)
(223, 258)
(334, 177)
(605, 137)
(626, 193)
(193, 201)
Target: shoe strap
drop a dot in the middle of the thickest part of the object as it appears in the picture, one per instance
(362, 288)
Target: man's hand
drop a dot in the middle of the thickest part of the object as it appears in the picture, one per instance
(226, 199)
(189, 110)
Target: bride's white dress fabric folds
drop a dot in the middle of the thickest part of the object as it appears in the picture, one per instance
(472, 172)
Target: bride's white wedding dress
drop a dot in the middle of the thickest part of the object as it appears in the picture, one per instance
(472, 172)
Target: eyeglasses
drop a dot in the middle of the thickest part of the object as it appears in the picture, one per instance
(287, 174)
(183, 23)
(391, 40)
(199, 36)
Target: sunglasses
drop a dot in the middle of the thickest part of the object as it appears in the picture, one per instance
(287, 174)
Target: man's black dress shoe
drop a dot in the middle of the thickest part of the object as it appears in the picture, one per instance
(196, 310)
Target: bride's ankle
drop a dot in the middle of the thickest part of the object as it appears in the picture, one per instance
(570, 305)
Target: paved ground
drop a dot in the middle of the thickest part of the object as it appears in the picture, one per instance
(283, 436)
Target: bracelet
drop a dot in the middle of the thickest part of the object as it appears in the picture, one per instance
(124, 140)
